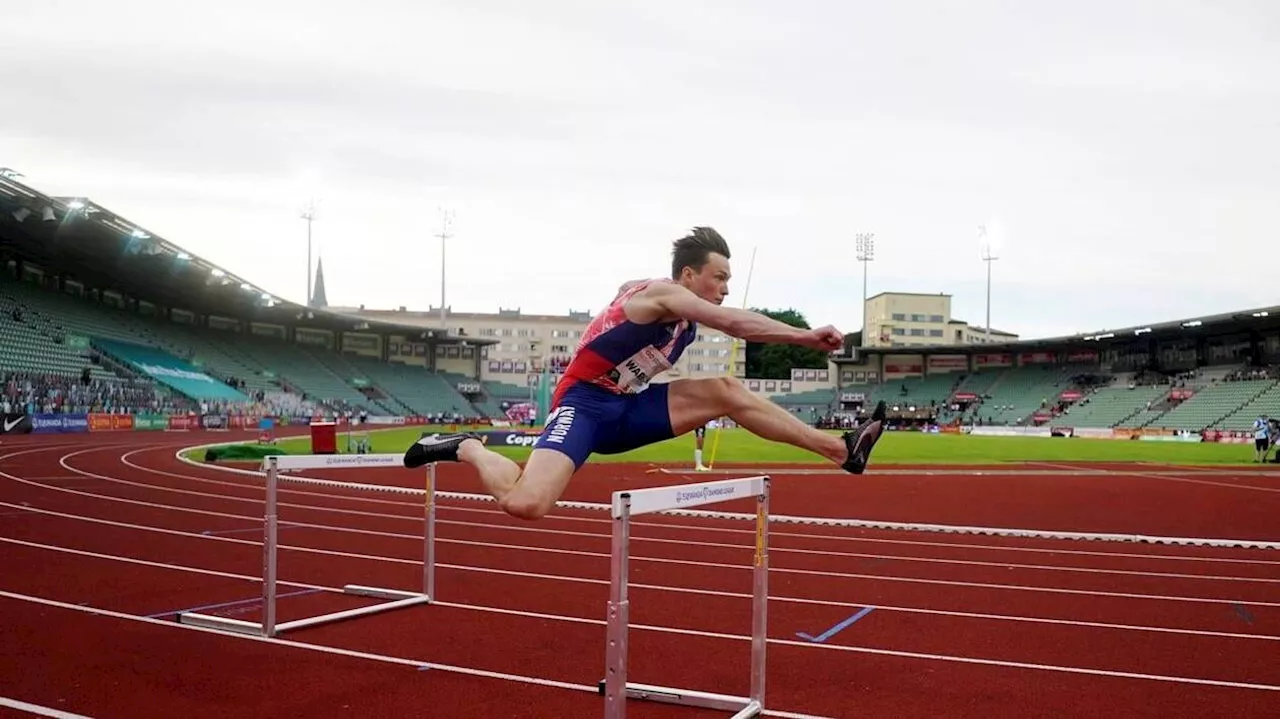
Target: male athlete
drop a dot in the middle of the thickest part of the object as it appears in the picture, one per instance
(605, 403)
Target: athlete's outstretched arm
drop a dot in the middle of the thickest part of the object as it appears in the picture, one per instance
(665, 300)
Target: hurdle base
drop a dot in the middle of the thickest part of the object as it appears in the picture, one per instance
(744, 707)
(399, 599)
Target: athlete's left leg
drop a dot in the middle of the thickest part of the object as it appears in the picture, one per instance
(692, 402)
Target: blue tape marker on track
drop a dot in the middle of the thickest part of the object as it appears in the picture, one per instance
(836, 629)
(238, 602)
(1243, 613)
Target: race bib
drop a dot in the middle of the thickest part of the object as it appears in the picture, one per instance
(636, 372)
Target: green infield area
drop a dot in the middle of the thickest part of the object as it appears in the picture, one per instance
(738, 445)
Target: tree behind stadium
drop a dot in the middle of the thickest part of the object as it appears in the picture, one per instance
(775, 361)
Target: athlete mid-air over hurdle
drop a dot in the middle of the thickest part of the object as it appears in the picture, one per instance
(605, 403)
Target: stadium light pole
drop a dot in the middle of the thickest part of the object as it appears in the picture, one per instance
(866, 243)
(309, 214)
(446, 218)
(988, 256)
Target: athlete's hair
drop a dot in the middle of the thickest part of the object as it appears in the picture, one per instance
(693, 249)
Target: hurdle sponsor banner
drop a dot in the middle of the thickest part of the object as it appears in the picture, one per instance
(684, 496)
(1170, 438)
(59, 423)
(1228, 436)
(989, 431)
(509, 439)
(214, 422)
(14, 423)
(150, 422)
(102, 422)
(1097, 433)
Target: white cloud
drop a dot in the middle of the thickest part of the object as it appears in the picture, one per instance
(1128, 148)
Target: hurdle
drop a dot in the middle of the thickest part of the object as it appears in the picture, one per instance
(630, 503)
(396, 599)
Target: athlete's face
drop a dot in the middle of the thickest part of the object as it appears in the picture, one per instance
(712, 282)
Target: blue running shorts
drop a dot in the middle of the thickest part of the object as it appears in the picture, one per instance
(590, 419)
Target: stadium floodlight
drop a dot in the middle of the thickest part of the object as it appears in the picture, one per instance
(866, 246)
(446, 219)
(988, 256)
(309, 214)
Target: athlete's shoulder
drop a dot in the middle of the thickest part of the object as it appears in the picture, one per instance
(635, 287)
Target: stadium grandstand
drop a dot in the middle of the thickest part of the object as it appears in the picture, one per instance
(1194, 379)
(102, 323)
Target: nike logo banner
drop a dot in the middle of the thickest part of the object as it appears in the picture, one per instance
(15, 424)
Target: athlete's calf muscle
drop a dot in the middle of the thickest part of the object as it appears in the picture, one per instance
(541, 484)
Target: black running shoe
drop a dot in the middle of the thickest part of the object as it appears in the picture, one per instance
(436, 447)
(862, 440)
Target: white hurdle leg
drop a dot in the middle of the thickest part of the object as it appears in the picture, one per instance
(616, 666)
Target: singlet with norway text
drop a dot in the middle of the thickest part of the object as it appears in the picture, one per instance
(622, 356)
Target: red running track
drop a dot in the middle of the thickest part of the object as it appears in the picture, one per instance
(963, 625)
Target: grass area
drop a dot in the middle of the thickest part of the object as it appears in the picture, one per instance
(738, 445)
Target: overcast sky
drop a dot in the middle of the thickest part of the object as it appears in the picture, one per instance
(1129, 151)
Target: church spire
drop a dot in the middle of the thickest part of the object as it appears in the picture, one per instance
(318, 299)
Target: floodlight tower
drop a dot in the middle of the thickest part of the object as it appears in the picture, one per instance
(988, 256)
(446, 219)
(309, 214)
(866, 243)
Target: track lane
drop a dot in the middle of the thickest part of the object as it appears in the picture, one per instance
(569, 518)
(386, 509)
(884, 683)
(775, 583)
(126, 668)
(975, 608)
(710, 614)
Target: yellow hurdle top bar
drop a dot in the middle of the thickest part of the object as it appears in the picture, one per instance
(682, 496)
(332, 461)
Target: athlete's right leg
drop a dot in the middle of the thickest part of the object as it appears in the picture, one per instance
(534, 491)
(528, 493)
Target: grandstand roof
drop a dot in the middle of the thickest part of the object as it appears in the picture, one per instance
(1262, 319)
(101, 249)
